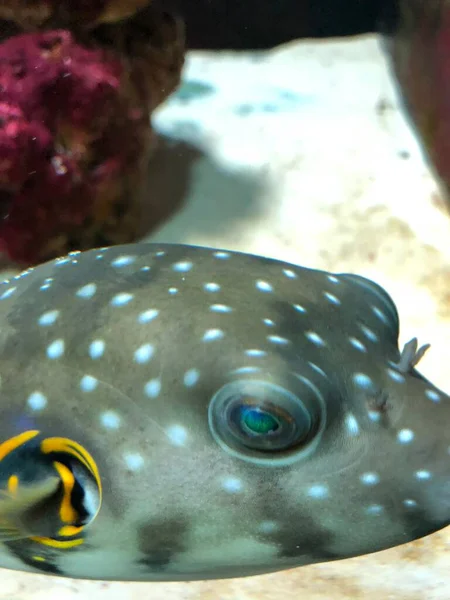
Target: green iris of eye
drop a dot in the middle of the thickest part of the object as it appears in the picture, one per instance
(258, 421)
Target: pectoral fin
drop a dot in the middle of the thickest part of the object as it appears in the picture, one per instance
(18, 502)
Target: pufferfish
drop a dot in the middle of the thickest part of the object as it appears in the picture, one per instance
(171, 412)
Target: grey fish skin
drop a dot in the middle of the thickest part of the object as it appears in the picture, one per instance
(245, 416)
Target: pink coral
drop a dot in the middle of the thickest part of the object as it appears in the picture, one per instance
(73, 134)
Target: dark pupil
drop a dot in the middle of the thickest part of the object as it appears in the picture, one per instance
(258, 421)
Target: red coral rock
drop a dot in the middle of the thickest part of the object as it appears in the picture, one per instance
(74, 136)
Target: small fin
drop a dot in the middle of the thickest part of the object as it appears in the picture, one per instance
(9, 533)
(410, 356)
(14, 506)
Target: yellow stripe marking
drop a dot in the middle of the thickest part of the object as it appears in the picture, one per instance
(13, 484)
(38, 558)
(69, 530)
(58, 444)
(63, 544)
(67, 513)
(16, 441)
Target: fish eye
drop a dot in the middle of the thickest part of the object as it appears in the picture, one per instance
(260, 420)
(259, 423)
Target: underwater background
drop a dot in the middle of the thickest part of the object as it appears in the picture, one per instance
(303, 153)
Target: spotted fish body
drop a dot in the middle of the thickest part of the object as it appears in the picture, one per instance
(169, 412)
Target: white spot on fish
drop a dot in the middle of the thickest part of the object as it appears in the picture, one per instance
(374, 416)
(88, 383)
(370, 478)
(395, 375)
(146, 268)
(9, 292)
(173, 290)
(213, 334)
(255, 353)
(363, 381)
(244, 370)
(182, 266)
(315, 338)
(410, 503)
(23, 274)
(222, 255)
(352, 424)
(177, 435)
(333, 279)
(380, 314)
(318, 491)
(144, 353)
(37, 401)
(290, 274)
(48, 318)
(191, 377)
(148, 315)
(299, 308)
(47, 283)
(269, 322)
(432, 395)
(110, 420)
(211, 287)
(423, 475)
(62, 261)
(332, 298)
(370, 335)
(220, 308)
(160, 253)
(374, 510)
(264, 286)
(56, 349)
(134, 461)
(405, 436)
(276, 339)
(357, 344)
(121, 299)
(232, 485)
(268, 527)
(123, 261)
(87, 291)
(96, 349)
(152, 388)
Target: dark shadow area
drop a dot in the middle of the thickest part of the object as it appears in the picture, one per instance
(186, 182)
(262, 24)
(168, 182)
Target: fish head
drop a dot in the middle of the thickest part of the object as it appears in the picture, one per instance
(205, 414)
(386, 444)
